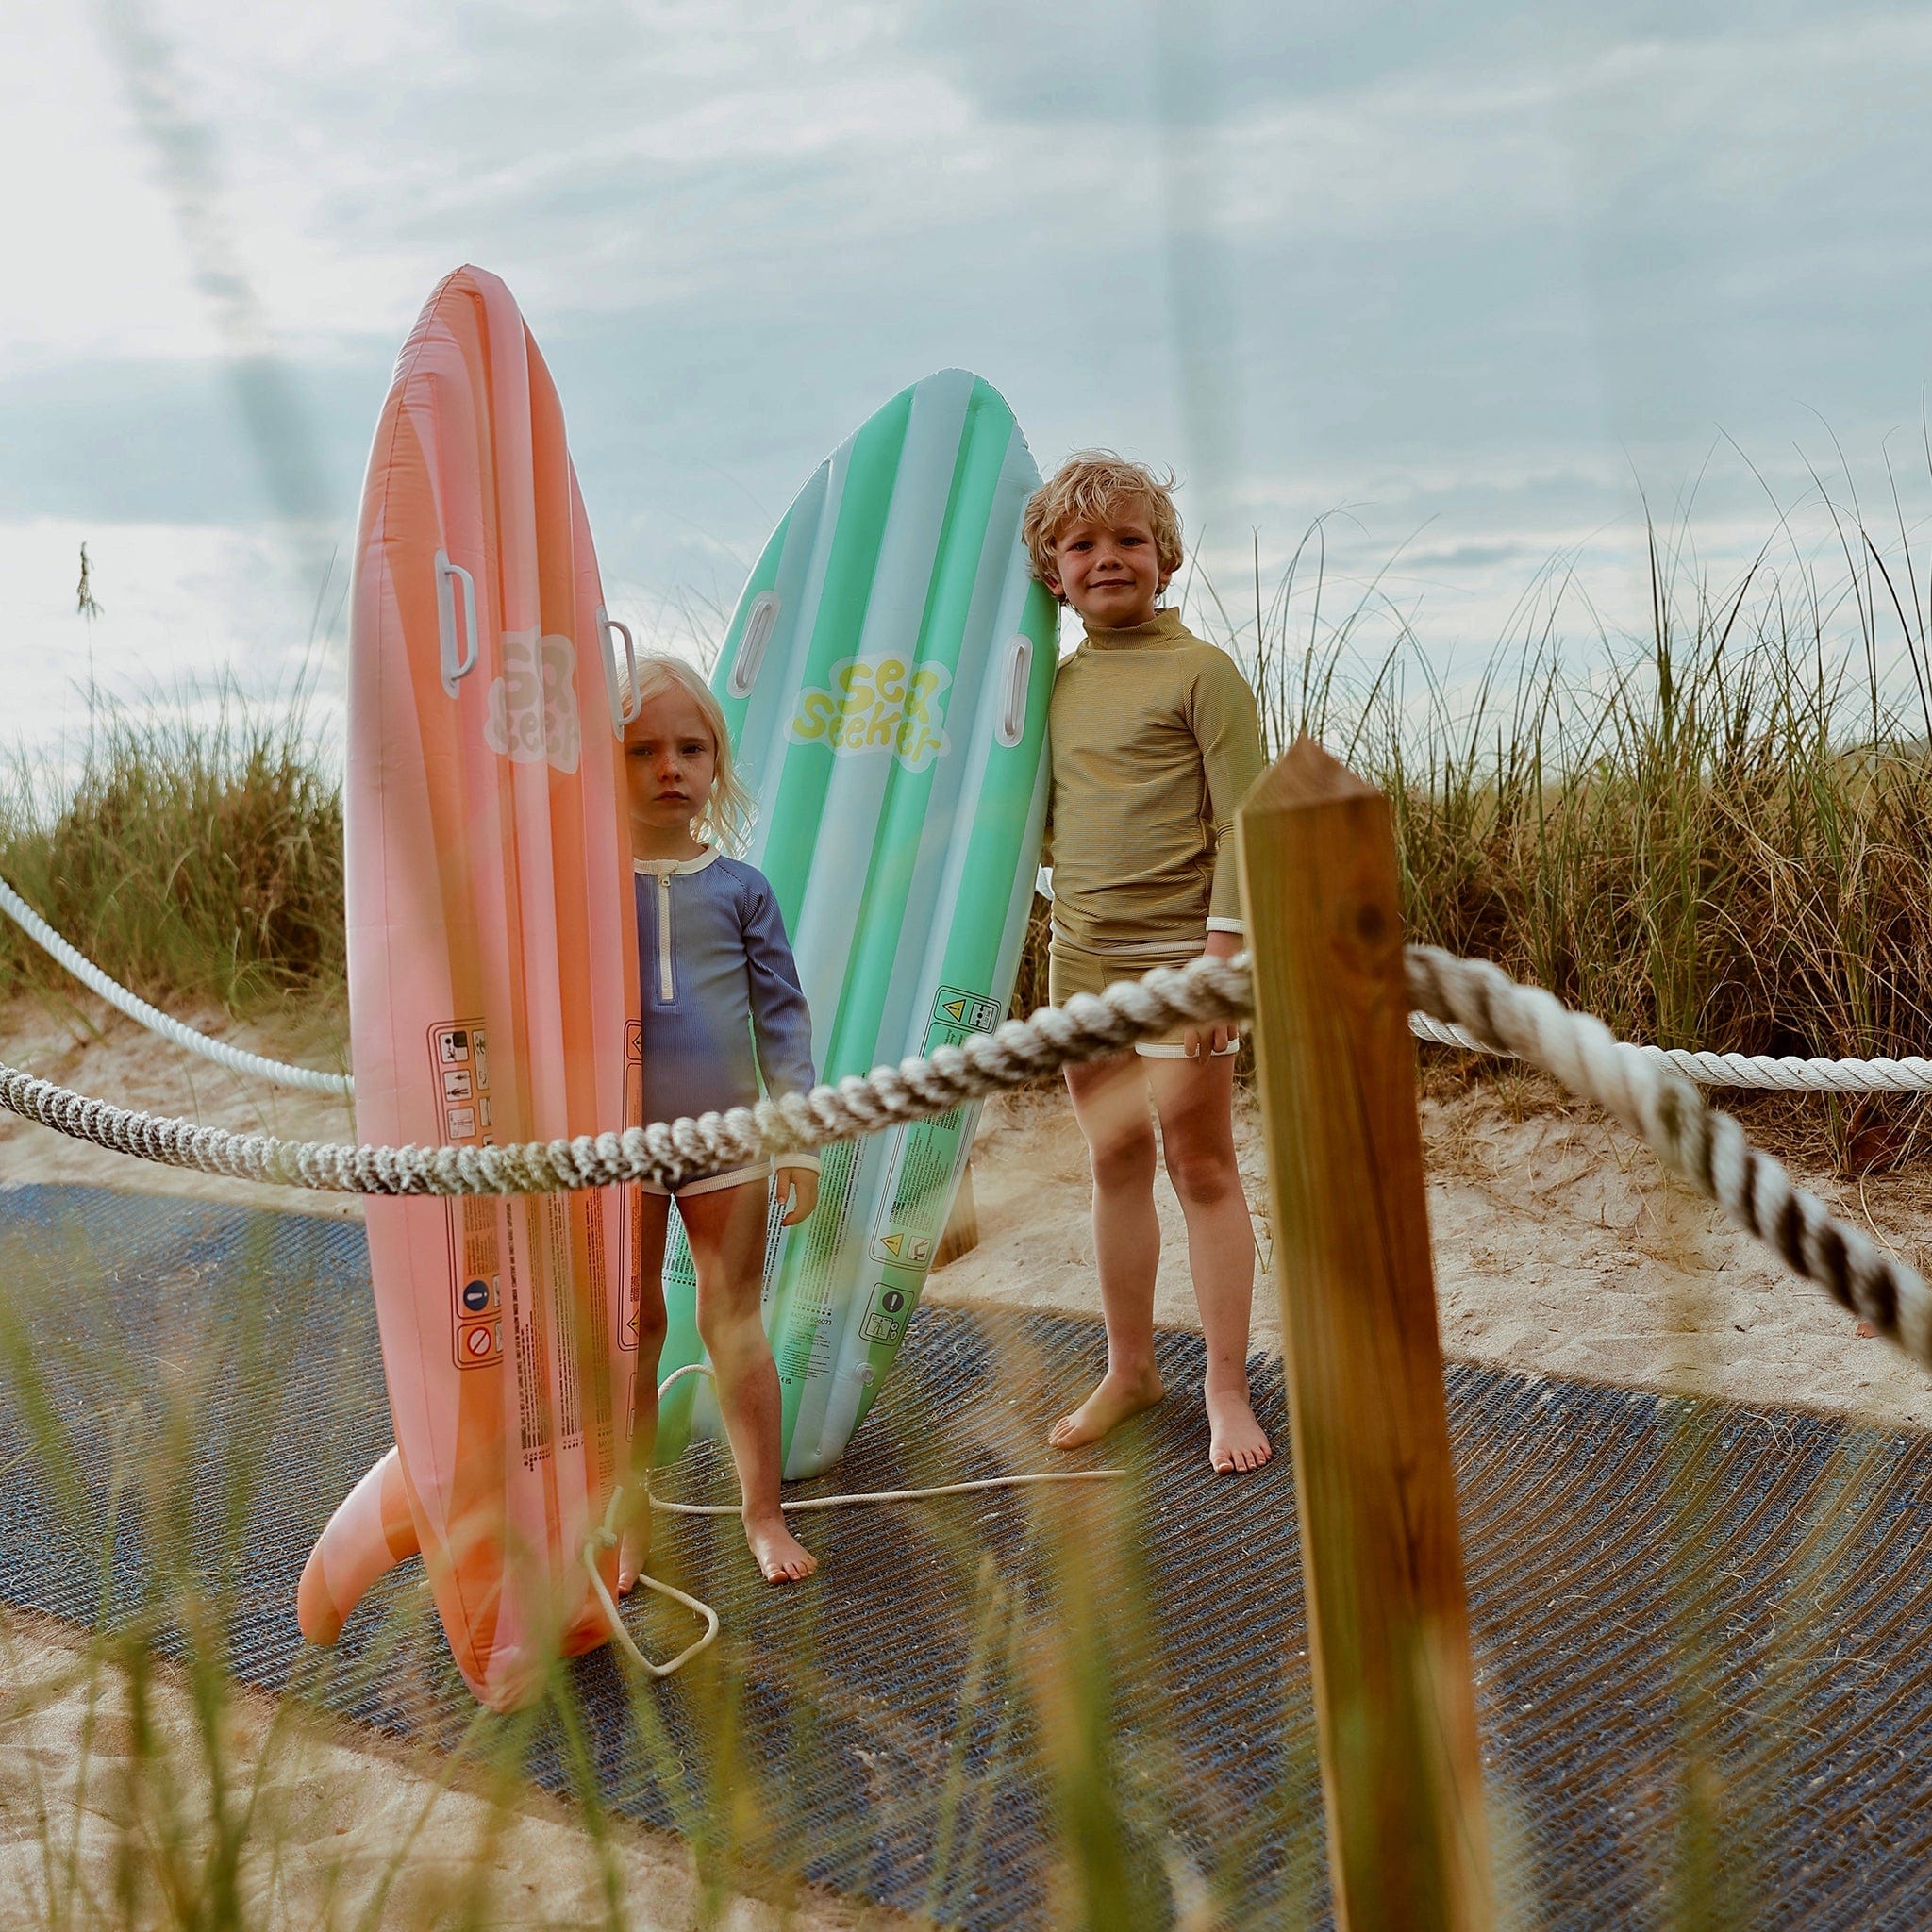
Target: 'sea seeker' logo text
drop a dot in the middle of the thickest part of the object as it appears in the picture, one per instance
(878, 704)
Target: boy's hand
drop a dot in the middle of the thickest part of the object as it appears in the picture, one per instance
(1202, 1041)
(799, 1186)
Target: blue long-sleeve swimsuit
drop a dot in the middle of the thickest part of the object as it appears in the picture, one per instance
(722, 1000)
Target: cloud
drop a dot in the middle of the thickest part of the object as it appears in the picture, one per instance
(1477, 270)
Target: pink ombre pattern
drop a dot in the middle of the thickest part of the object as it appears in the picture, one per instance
(493, 973)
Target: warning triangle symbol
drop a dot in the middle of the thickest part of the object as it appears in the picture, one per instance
(893, 1242)
(957, 1007)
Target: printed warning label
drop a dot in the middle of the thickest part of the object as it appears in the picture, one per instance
(928, 1156)
(914, 1213)
(885, 1314)
(963, 1014)
(457, 1078)
(480, 1343)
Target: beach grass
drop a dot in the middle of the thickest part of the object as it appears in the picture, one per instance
(143, 1784)
(196, 856)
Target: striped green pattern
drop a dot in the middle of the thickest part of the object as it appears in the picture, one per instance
(886, 679)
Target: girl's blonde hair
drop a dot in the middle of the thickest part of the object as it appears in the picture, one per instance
(1092, 486)
(728, 812)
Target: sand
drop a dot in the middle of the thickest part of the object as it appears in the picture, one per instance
(362, 1833)
(81, 1042)
(1558, 1252)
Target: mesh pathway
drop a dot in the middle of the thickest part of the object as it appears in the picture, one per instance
(1648, 1577)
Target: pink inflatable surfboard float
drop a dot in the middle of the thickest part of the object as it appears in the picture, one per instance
(492, 978)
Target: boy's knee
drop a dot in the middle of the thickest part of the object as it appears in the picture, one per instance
(1204, 1178)
(726, 1332)
(1123, 1161)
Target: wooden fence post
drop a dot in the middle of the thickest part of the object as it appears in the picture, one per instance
(1381, 1556)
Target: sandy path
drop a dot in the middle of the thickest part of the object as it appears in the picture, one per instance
(340, 1828)
(82, 1043)
(1558, 1250)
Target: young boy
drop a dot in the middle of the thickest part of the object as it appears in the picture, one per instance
(1155, 738)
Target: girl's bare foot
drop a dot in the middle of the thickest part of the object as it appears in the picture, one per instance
(780, 1555)
(1117, 1397)
(1235, 1442)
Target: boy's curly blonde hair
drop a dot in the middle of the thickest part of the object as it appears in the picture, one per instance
(726, 818)
(1092, 486)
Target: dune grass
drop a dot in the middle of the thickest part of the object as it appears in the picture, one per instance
(142, 1784)
(197, 857)
(1715, 833)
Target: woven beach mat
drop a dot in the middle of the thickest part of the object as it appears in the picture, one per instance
(1696, 1625)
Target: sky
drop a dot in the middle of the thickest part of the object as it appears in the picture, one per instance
(1475, 285)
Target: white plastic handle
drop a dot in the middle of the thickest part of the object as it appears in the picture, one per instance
(455, 669)
(1012, 720)
(622, 713)
(760, 621)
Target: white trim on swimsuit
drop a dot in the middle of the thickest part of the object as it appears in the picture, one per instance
(731, 1177)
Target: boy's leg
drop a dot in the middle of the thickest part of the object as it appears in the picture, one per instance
(726, 1231)
(1110, 1103)
(1194, 1099)
(635, 1549)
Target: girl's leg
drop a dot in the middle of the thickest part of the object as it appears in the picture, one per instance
(635, 1549)
(1194, 1100)
(726, 1231)
(1110, 1103)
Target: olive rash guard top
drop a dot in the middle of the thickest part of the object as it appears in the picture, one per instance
(1155, 738)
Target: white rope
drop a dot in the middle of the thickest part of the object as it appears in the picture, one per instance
(1789, 1074)
(989, 1482)
(234, 1058)
(670, 1152)
(1704, 1148)
(606, 1537)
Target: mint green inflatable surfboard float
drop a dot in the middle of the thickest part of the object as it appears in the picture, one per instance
(886, 679)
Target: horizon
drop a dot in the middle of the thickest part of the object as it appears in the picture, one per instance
(1474, 290)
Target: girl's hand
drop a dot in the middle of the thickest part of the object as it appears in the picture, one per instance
(1202, 1040)
(799, 1186)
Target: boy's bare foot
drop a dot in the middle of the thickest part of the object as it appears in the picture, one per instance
(1235, 1442)
(1116, 1398)
(780, 1555)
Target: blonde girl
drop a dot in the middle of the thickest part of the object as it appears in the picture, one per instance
(725, 1018)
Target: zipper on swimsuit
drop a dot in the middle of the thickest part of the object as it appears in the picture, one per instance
(667, 983)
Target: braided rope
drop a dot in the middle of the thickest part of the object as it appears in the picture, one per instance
(237, 1060)
(1789, 1074)
(1699, 1146)
(669, 1152)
